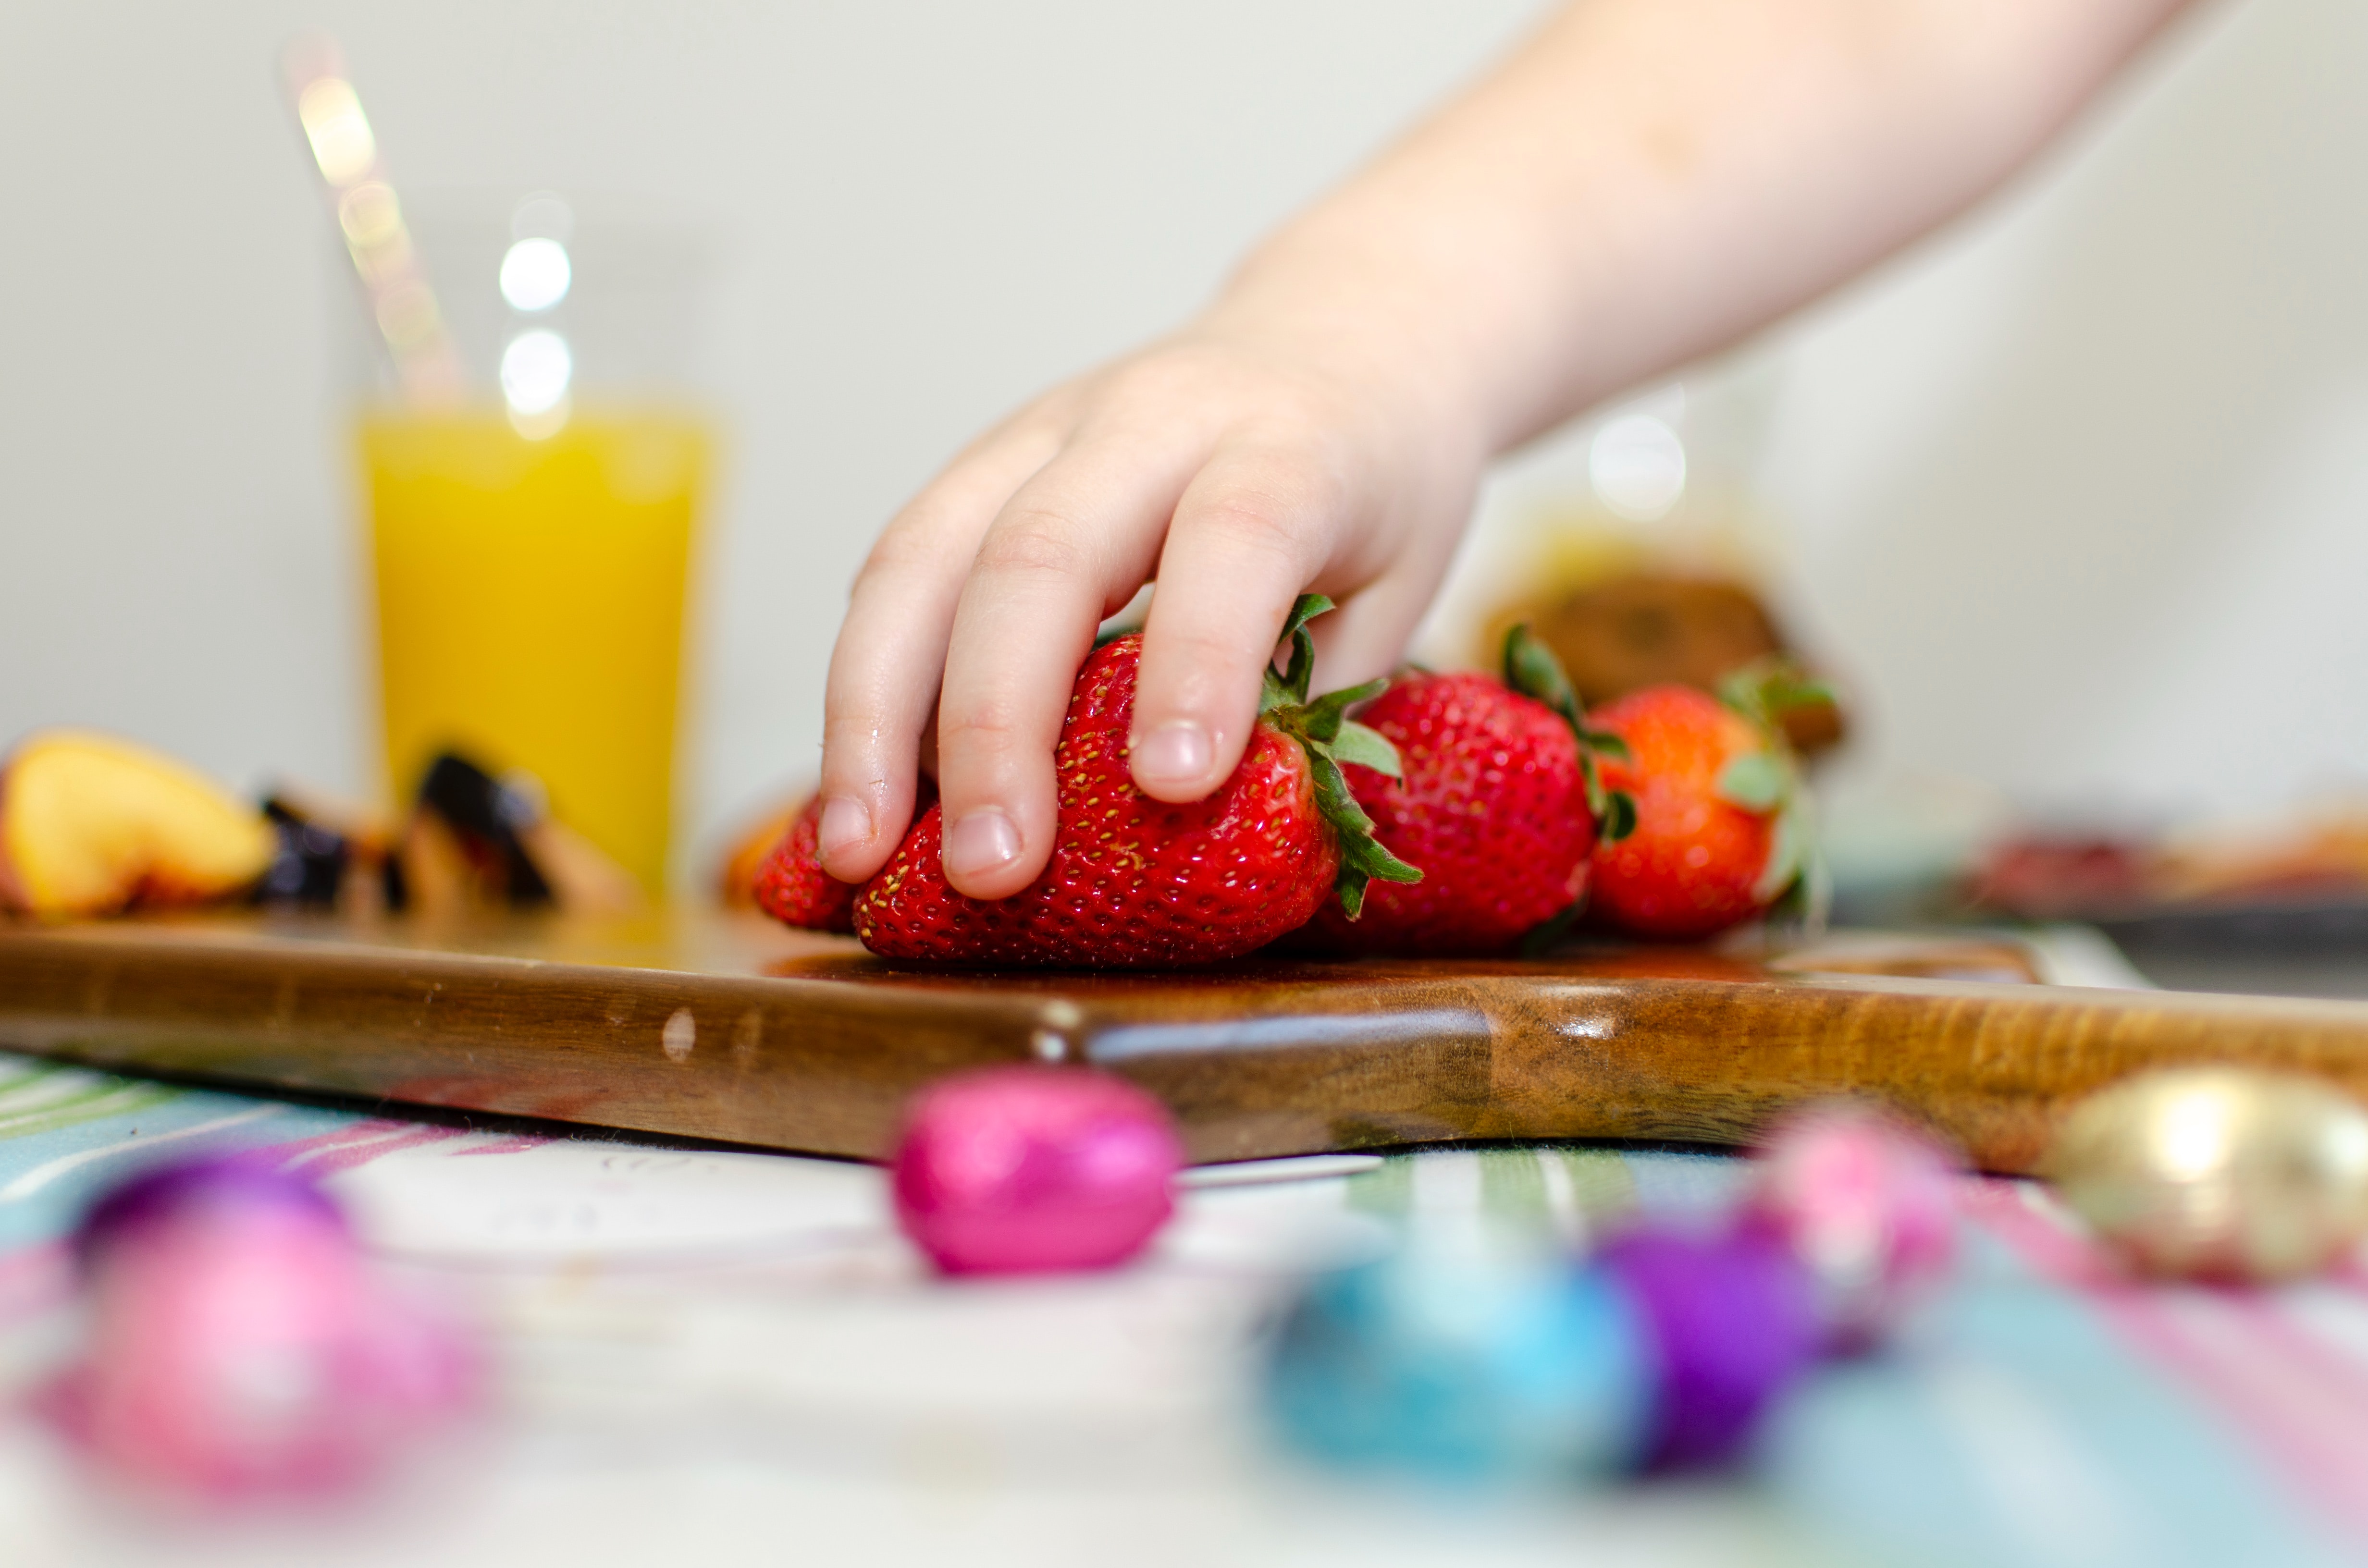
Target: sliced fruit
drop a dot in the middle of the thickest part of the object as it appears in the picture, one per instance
(90, 825)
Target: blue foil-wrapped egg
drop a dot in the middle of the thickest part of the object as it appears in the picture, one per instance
(1473, 1368)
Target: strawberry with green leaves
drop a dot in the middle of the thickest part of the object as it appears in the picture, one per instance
(1721, 828)
(1497, 799)
(1135, 882)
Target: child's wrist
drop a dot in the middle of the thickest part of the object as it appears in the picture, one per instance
(1375, 343)
(1417, 318)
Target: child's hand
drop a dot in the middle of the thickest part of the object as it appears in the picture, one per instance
(1645, 181)
(1239, 466)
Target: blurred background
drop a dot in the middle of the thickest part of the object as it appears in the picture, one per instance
(2069, 499)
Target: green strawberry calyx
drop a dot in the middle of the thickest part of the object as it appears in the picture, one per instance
(1532, 669)
(1768, 781)
(1766, 690)
(1329, 737)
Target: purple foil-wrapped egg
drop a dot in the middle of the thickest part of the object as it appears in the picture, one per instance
(1867, 1203)
(1732, 1323)
(246, 1185)
(240, 1346)
(1022, 1169)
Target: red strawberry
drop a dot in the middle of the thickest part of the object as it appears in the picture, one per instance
(1497, 804)
(1718, 836)
(1135, 882)
(793, 887)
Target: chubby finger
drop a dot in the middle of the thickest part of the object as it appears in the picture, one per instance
(1070, 547)
(1249, 534)
(882, 690)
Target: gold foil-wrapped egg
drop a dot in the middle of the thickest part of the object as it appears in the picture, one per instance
(2218, 1172)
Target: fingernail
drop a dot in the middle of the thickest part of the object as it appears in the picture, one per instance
(1175, 753)
(845, 822)
(983, 841)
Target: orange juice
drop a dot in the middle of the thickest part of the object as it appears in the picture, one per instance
(529, 597)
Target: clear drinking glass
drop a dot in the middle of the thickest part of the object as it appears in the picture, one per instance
(529, 538)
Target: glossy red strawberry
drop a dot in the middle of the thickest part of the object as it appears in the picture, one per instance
(793, 887)
(1496, 801)
(1718, 838)
(1135, 882)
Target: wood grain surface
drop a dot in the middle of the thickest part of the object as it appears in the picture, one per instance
(728, 1027)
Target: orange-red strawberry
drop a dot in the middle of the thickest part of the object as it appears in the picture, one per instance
(1718, 838)
(793, 887)
(1497, 803)
(1135, 882)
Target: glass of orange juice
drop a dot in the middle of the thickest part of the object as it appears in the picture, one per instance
(530, 540)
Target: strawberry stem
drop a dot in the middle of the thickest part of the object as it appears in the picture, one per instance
(1329, 737)
(1532, 669)
(1289, 689)
(1763, 692)
(1766, 690)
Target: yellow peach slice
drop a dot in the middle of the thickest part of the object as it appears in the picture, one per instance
(89, 824)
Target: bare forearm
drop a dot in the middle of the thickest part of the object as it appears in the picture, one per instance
(1647, 180)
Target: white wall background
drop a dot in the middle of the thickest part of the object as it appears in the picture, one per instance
(2081, 494)
(2076, 494)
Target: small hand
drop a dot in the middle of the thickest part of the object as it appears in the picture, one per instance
(1235, 467)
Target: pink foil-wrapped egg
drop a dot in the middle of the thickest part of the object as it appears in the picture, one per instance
(240, 1346)
(1024, 1169)
(1865, 1201)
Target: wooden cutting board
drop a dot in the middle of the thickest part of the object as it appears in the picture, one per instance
(715, 1025)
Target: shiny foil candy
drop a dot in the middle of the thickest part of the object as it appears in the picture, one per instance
(240, 1347)
(1663, 1352)
(1477, 1363)
(1866, 1202)
(1732, 1324)
(1029, 1169)
(2218, 1173)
